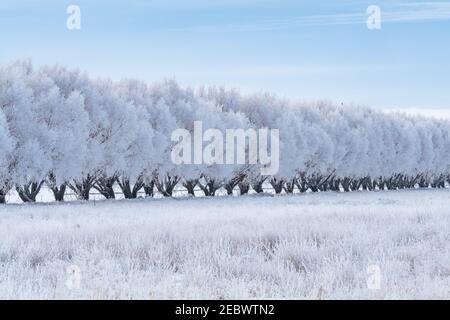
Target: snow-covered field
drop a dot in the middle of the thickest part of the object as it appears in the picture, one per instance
(315, 246)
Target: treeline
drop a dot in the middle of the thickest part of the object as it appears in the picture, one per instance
(61, 128)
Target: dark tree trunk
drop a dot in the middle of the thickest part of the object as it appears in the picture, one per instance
(374, 184)
(4, 189)
(277, 184)
(332, 184)
(128, 191)
(390, 185)
(355, 184)
(324, 186)
(231, 184)
(423, 183)
(316, 182)
(289, 186)
(438, 182)
(229, 188)
(190, 186)
(346, 184)
(83, 187)
(3, 196)
(400, 182)
(257, 185)
(167, 185)
(379, 183)
(337, 185)
(366, 184)
(413, 181)
(210, 188)
(313, 182)
(244, 187)
(29, 191)
(149, 188)
(301, 183)
(105, 186)
(58, 191)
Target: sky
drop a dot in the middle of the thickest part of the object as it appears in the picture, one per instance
(301, 50)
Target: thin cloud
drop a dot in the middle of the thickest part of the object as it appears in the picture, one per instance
(390, 13)
(420, 11)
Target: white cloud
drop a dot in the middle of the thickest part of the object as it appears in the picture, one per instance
(434, 113)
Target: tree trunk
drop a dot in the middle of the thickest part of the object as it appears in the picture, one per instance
(289, 186)
(355, 184)
(210, 188)
(301, 183)
(244, 187)
(229, 188)
(128, 191)
(366, 184)
(3, 196)
(29, 191)
(277, 184)
(167, 185)
(258, 185)
(234, 182)
(315, 182)
(346, 184)
(334, 184)
(4, 189)
(83, 187)
(58, 192)
(105, 186)
(190, 186)
(149, 188)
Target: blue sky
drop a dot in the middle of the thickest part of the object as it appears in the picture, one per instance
(303, 50)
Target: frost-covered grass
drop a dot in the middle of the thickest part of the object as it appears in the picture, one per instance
(314, 246)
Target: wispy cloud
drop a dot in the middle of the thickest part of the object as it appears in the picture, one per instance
(390, 13)
(277, 71)
(418, 11)
(428, 112)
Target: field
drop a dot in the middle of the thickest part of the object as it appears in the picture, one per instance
(375, 245)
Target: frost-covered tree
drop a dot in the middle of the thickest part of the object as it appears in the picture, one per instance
(62, 128)
(138, 141)
(6, 148)
(70, 81)
(63, 122)
(29, 159)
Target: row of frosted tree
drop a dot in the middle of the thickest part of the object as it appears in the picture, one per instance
(60, 128)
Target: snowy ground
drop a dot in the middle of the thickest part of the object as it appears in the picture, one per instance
(315, 246)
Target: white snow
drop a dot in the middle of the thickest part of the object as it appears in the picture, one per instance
(313, 246)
